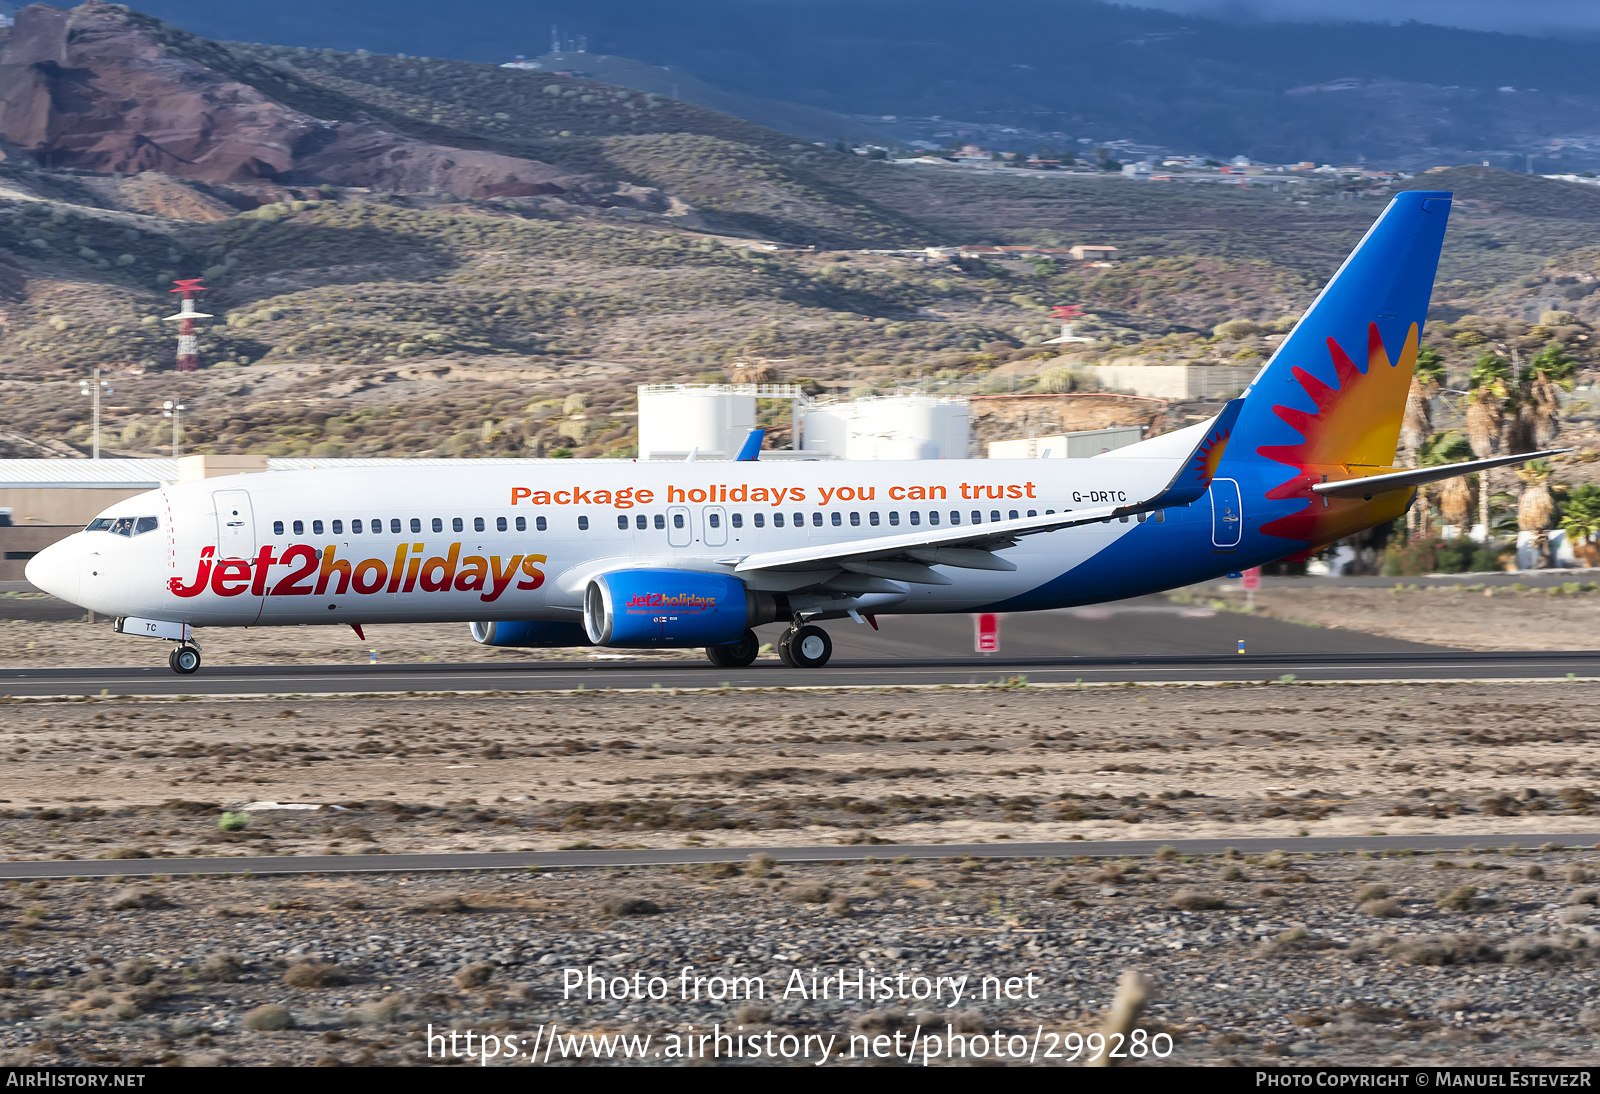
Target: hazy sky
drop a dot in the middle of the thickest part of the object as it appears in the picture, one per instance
(1512, 16)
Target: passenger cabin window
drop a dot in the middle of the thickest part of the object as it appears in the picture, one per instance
(1012, 517)
(777, 520)
(677, 520)
(955, 517)
(338, 527)
(760, 519)
(477, 524)
(894, 520)
(316, 527)
(457, 525)
(737, 520)
(438, 525)
(661, 522)
(355, 527)
(641, 522)
(416, 524)
(394, 526)
(499, 524)
(583, 524)
(933, 516)
(622, 523)
(299, 527)
(714, 520)
(916, 518)
(855, 520)
(816, 519)
(872, 519)
(538, 522)
(522, 524)
(277, 527)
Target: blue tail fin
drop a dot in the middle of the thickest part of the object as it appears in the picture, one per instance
(750, 451)
(1335, 391)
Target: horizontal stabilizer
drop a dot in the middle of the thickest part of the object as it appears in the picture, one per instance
(1402, 480)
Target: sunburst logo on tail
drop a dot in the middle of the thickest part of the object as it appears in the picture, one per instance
(1209, 455)
(1356, 424)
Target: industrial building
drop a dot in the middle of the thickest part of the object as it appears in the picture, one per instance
(711, 422)
(1067, 446)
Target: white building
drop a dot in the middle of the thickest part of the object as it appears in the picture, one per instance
(1067, 446)
(889, 427)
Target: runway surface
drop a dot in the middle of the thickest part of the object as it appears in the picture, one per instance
(1147, 640)
(551, 860)
(407, 679)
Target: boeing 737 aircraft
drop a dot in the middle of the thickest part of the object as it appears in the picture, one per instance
(633, 555)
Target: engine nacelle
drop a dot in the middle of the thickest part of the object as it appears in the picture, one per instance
(529, 633)
(642, 609)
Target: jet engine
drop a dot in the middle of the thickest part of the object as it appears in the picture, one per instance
(641, 609)
(531, 633)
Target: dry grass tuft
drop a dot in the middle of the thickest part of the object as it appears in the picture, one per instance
(315, 974)
(1189, 900)
(268, 1018)
(628, 905)
(474, 976)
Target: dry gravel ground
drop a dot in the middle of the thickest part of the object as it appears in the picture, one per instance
(1467, 615)
(1486, 959)
(1298, 960)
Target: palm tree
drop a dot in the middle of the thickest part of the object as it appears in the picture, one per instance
(1417, 426)
(1426, 381)
(1536, 509)
(1580, 520)
(1489, 394)
(1455, 494)
(1549, 373)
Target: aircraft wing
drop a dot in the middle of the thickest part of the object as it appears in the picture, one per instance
(1369, 485)
(908, 557)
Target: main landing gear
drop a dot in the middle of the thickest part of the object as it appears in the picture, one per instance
(735, 655)
(805, 647)
(185, 660)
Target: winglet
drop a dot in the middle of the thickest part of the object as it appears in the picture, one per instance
(751, 450)
(1200, 466)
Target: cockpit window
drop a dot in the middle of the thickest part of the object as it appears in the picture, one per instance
(124, 526)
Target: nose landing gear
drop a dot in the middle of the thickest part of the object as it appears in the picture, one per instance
(805, 647)
(185, 660)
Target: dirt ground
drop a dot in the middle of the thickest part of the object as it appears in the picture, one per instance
(1465, 615)
(1479, 957)
(544, 771)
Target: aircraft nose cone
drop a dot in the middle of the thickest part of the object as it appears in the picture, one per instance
(55, 570)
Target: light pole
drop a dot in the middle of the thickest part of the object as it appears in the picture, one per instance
(92, 388)
(174, 409)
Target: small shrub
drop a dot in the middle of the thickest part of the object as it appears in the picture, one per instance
(840, 906)
(816, 893)
(221, 968)
(1167, 854)
(1371, 892)
(233, 822)
(1533, 872)
(474, 976)
(269, 1017)
(1585, 896)
(136, 899)
(760, 865)
(126, 852)
(1231, 872)
(753, 1014)
(1579, 874)
(134, 972)
(1574, 916)
(1446, 949)
(1189, 900)
(447, 905)
(1061, 886)
(1460, 899)
(315, 974)
(628, 905)
(1382, 909)
(1109, 874)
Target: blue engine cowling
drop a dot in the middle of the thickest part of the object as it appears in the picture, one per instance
(640, 609)
(529, 633)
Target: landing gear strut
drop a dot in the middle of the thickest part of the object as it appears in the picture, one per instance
(735, 655)
(185, 660)
(805, 647)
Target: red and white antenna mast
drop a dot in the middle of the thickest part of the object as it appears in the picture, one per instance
(188, 340)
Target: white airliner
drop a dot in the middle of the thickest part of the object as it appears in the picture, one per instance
(634, 555)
